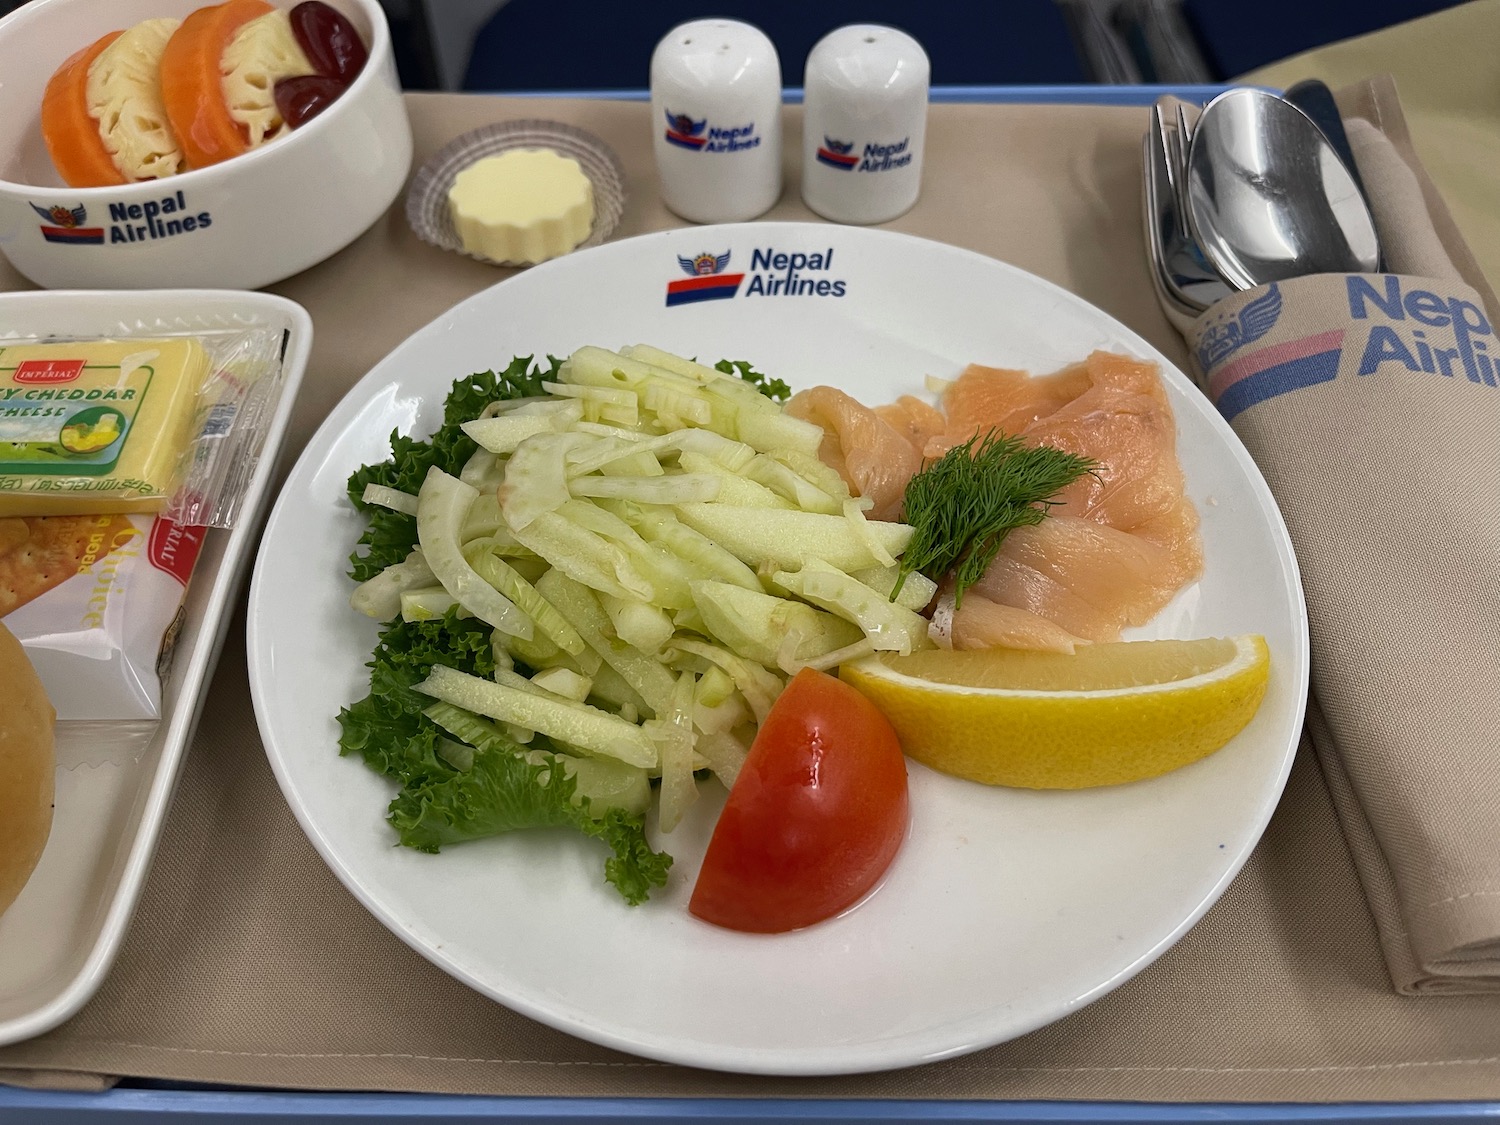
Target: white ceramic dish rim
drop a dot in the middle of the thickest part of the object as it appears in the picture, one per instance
(193, 676)
(379, 49)
(869, 1056)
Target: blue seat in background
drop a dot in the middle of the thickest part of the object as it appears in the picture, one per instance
(1236, 36)
(607, 44)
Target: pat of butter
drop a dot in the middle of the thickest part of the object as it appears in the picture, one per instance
(526, 205)
(95, 427)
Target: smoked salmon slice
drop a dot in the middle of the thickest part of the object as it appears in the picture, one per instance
(874, 459)
(1089, 578)
(986, 398)
(981, 623)
(1119, 543)
(917, 421)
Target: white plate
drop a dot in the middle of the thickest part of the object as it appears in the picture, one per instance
(1005, 909)
(114, 781)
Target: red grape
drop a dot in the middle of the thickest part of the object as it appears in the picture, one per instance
(329, 41)
(302, 98)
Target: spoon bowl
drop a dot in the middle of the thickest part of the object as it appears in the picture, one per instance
(1268, 197)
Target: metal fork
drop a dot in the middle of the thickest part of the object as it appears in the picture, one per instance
(1159, 200)
(1185, 274)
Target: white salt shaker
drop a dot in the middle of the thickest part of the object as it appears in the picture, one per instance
(716, 120)
(863, 124)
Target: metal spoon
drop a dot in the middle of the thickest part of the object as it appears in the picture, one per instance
(1268, 197)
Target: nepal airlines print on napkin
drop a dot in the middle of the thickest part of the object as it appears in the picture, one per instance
(1296, 334)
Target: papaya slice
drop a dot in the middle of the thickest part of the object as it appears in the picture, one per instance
(192, 82)
(70, 132)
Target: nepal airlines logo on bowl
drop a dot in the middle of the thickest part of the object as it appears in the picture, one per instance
(706, 280)
(128, 222)
(837, 154)
(64, 224)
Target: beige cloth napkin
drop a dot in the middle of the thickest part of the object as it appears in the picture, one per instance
(249, 964)
(1369, 402)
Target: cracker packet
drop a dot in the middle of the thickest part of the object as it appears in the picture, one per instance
(96, 601)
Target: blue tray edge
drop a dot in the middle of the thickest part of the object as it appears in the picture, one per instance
(246, 1107)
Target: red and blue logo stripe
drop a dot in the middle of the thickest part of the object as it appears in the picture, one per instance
(841, 160)
(682, 130)
(709, 287)
(77, 236)
(1276, 370)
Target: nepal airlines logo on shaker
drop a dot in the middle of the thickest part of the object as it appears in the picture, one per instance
(837, 154)
(683, 130)
(773, 273)
(706, 280)
(872, 158)
(64, 224)
(700, 136)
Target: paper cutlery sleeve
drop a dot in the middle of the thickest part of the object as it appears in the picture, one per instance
(1372, 404)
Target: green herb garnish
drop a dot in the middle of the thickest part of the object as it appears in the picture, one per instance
(774, 389)
(965, 503)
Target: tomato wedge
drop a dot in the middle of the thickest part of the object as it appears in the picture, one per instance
(71, 133)
(192, 83)
(815, 817)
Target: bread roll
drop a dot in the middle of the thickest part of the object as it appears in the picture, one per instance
(26, 768)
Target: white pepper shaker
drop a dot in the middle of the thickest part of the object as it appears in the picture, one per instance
(716, 120)
(863, 124)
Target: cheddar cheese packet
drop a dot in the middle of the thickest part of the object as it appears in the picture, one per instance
(95, 427)
(168, 424)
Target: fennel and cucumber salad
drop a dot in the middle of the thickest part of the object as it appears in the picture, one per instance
(596, 577)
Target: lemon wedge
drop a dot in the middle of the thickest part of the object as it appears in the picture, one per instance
(1107, 714)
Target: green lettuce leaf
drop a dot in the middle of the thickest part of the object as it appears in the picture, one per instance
(501, 791)
(387, 728)
(774, 389)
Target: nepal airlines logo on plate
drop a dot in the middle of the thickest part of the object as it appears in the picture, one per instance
(706, 280)
(65, 224)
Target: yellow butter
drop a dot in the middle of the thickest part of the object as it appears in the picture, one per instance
(97, 426)
(526, 205)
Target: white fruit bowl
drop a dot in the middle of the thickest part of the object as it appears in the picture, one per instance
(242, 224)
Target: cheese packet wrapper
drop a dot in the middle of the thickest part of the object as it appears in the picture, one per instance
(166, 423)
(96, 601)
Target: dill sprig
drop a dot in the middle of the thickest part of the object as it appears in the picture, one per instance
(965, 503)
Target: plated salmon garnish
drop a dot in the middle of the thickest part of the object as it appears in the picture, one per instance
(1117, 544)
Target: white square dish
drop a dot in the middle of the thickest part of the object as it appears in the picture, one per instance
(115, 781)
